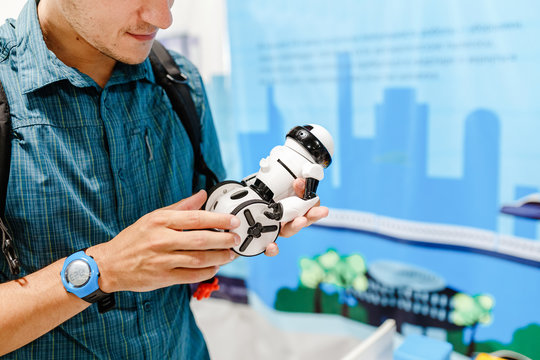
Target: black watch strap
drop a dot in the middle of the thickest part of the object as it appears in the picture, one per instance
(105, 300)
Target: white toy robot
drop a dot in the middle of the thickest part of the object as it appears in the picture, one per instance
(266, 199)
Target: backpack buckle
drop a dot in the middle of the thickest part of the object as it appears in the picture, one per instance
(180, 79)
(9, 250)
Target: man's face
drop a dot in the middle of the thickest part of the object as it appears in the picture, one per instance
(121, 29)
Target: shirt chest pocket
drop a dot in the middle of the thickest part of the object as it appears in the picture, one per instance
(159, 166)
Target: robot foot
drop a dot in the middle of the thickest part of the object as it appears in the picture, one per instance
(256, 229)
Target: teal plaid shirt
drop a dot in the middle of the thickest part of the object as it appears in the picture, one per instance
(86, 163)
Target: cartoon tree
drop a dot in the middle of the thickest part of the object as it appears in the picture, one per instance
(471, 311)
(342, 273)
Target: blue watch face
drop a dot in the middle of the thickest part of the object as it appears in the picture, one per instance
(78, 273)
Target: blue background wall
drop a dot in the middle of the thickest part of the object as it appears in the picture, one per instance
(433, 106)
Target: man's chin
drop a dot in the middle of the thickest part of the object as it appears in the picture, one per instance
(135, 59)
(132, 55)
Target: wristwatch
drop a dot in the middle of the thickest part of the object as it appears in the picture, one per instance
(80, 276)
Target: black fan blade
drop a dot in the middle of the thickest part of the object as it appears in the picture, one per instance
(246, 243)
(269, 228)
(249, 217)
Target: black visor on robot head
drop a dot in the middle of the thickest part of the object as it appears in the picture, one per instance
(304, 136)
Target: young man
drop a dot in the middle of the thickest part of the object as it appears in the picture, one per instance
(96, 150)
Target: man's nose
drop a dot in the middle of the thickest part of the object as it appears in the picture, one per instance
(157, 13)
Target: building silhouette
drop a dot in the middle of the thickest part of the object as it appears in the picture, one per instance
(387, 174)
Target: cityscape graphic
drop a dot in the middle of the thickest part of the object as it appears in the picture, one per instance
(387, 174)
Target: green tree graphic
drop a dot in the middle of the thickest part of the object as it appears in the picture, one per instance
(344, 272)
(471, 311)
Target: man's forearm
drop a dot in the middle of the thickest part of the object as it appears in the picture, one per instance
(33, 305)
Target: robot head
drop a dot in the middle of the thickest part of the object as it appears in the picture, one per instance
(316, 140)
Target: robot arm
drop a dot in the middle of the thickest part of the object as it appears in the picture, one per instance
(292, 207)
(264, 165)
(248, 180)
(313, 173)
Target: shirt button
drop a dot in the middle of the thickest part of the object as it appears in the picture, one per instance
(147, 306)
(121, 174)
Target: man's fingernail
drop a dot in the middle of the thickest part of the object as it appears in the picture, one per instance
(235, 222)
(237, 239)
(232, 254)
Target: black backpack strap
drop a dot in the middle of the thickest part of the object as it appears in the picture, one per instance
(169, 76)
(5, 160)
(5, 148)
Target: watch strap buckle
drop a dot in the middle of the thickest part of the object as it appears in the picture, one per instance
(107, 303)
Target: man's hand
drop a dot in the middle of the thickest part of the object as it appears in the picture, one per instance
(166, 247)
(314, 214)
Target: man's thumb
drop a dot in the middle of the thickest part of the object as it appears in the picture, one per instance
(194, 202)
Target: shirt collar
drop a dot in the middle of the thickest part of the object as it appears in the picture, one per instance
(124, 73)
(38, 66)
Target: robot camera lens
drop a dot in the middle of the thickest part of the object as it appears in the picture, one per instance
(302, 134)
